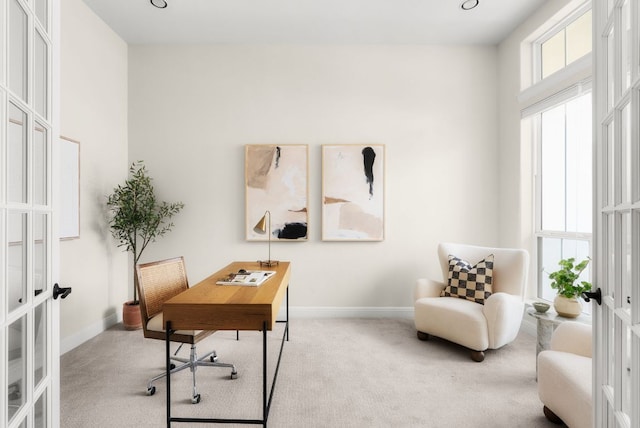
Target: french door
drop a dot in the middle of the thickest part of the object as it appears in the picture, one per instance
(29, 334)
(617, 212)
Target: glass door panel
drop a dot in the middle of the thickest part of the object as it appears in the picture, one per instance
(40, 75)
(610, 70)
(40, 412)
(18, 49)
(611, 348)
(40, 344)
(40, 234)
(40, 164)
(17, 155)
(626, 156)
(611, 164)
(625, 258)
(16, 380)
(626, 372)
(610, 254)
(17, 260)
(42, 13)
(625, 43)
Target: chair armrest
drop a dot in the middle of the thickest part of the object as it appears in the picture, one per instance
(427, 288)
(573, 337)
(503, 312)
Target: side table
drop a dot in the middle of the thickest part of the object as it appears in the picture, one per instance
(547, 323)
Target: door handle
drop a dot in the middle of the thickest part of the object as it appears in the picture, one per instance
(595, 295)
(63, 292)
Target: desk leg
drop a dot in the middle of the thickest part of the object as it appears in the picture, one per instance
(265, 411)
(168, 368)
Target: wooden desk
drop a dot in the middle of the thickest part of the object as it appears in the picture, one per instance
(208, 306)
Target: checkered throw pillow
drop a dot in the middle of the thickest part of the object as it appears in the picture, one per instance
(470, 282)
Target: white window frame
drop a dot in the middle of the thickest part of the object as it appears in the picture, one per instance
(561, 98)
(571, 81)
(560, 26)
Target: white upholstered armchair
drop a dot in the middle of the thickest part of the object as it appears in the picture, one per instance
(564, 376)
(476, 326)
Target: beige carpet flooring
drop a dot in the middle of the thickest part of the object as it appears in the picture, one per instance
(334, 373)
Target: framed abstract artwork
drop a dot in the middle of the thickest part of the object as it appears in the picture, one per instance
(353, 192)
(276, 180)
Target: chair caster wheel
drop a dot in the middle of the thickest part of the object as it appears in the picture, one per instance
(234, 375)
(172, 366)
(151, 391)
(213, 358)
(195, 399)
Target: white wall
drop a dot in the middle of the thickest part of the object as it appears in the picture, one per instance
(447, 114)
(94, 112)
(193, 108)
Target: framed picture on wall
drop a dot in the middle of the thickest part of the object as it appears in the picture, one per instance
(276, 180)
(353, 192)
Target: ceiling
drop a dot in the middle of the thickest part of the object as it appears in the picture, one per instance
(313, 21)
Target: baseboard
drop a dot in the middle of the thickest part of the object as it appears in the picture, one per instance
(528, 325)
(348, 312)
(77, 339)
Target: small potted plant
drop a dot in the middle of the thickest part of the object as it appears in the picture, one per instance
(137, 218)
(565, 282)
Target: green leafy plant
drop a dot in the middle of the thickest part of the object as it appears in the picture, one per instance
(564, 279)
(137, 218)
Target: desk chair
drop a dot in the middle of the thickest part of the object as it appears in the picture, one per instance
(158, 282)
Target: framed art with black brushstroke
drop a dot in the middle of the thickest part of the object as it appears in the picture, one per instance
(276, 180)
(353, 192)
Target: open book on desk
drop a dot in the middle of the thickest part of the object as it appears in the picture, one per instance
(251, 278)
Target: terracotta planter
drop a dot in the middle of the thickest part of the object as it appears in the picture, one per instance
(567, 307)
(131, 318)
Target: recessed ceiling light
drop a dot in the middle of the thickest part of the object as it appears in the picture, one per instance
(160, 4)
(469, 4)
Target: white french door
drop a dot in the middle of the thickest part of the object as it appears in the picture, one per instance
(617, 211)
(29, 333)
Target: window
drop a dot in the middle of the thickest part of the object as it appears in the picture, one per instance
(560, 124)
(566, 44)
(564, 187)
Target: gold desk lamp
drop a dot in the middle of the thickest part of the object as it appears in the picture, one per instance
(263, 227)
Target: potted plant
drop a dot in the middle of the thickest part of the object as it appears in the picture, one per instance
(137, 218)
(564, 281)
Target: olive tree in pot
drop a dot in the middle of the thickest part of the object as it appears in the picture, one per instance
(137, 218)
